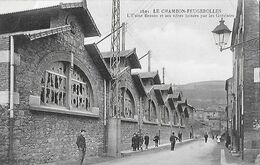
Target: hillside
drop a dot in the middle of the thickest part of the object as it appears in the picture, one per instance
(207, 95)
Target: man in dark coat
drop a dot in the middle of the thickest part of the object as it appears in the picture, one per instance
(134, 141)
(228, 141)
(156, 140)
(146, 141)
(81, 143)
(141, 141)
(137, 141)
(206, 137)
(180, 136)
(173, 139)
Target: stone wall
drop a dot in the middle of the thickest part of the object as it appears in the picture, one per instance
(251, 61)
(127, 130)
(41, 137)
(152, 130)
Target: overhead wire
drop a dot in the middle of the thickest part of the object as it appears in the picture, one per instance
(134, 20)
(148, 6)
(130, 26)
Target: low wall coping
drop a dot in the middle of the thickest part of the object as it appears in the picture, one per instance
(150, 122)
(62, 111)
(129, 120)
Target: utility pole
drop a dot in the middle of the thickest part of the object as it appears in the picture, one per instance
(115, 59)
(163, 72)
(114, 126)
(123, 35)
(149, 61)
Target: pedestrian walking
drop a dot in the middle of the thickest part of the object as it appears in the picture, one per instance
(218, 139)
(134, 142)
(81, 143)
(141, 141)
(146, 141)
(228, 141)
(206, 137)
(173, 139)
(180, 136)
(137, 141)
(156, 140)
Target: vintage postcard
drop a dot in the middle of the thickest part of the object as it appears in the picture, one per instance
(119, 82)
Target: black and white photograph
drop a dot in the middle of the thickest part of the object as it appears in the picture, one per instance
(129, 82)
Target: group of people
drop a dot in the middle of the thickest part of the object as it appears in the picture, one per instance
(217, 137)
(138, 140)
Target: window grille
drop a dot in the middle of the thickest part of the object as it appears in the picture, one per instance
(127, 104)
(55, 91)
(151, 112)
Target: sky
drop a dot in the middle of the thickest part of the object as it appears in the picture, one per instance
(181, 43)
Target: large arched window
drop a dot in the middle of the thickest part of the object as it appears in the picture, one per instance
(80, 90)
(151, 112)
(165, 115)
(55, 89)
(127, 104)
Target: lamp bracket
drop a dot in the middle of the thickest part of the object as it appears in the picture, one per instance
(232, 46)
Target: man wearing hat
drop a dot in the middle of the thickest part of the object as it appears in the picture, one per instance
(81, 143)
(173, 139)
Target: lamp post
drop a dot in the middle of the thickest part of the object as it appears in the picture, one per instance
(221, 34)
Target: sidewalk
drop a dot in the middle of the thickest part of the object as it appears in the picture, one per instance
(153, 148)
(228, 159)
(96, 159)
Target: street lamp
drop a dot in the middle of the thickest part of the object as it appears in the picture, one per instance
(221, 34)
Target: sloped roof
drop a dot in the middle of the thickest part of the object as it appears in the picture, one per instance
(191, 107)
(175, 96)
(148, 74)
(171, 102)
(164, 87)
(153, 75)
(179, 107)
(35, 34)
(98, 60)
(139, 84)
(78, 8)
(159, 97)
(131, 54)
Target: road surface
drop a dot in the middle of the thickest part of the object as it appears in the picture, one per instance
(194, 153)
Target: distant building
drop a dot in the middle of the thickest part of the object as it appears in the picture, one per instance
(214, 120)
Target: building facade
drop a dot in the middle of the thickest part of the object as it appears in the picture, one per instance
(58, 86)
(246, 75)
(53, 85)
